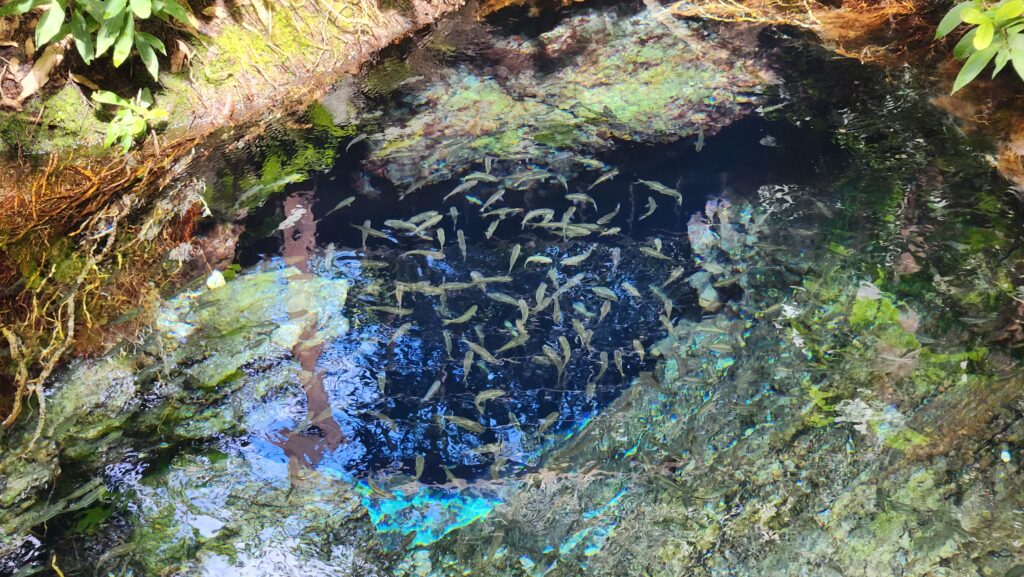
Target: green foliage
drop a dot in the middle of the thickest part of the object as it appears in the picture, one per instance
(133, 117)
(997, 33)
(99, 26)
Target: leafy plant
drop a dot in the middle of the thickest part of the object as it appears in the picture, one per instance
(99, 26)
(133, 117)
(997, 33)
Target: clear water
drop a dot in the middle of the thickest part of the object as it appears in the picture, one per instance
(847, 409)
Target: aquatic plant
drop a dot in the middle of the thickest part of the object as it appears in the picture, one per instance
(97, 27)
(996, 33)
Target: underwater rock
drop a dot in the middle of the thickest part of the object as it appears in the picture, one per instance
(598, 76)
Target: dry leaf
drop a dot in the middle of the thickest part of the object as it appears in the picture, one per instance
(79, 79)
(30, 47)
(907, 264)
(181, 55)
(40, 73)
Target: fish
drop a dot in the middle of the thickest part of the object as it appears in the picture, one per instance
(465, 423)
(605, 177)
(356, 141)
(616, 257)
(547, 422)
(578, 259)
(440, 238)
(462, 243)
(454, 213)
(524, 310)
(605, 293)
(493, 199)
(699, 145)
(340, 206)
(653, 253)
(400, 224)
(430, 222)
(602, 365)
(566, 349)
(402, 330)
(434, 388)
(490, 229)
(482, 281)
(487, 395)
(664, 298)
(484, 353)
(610, 216)
(464, 317)
(480, 176)
(434, 254)
(382, 381)
(379, 491)
(420, 464)
(541, 291)
(529, 175)
(674, 276)
(503, 298)
(618, 362)
(466, 185)
(581, 331)
(539, 259)
(545, 214)
(553, 358)
(368, 231)
(657, 244)
(606, 307)
(639, 348)
(390, 310)
(556, 311)
(518, 248)
(455, 286)
(629, 288)
(467, 362)
(652, 205)
(662, 189)
(447, 342)
(581, 198)
(666, 323)
(582, 309)
(721, 348)
(502, 213)
(423, 216)
(611, 231)
(520, 339)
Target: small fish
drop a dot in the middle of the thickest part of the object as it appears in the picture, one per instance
(662, 189)
(461, 318)
(529, 176)
(605, 177)
(556, 311)
(539, 259)
(503, 298)
(356, 141)
(368, 231)
(482, 281)
(467, 362)
(699, 145)
(382, 381)
(340, 206)
(652, 205)
(484, 353)
(582, 309)
(581, 331)
(462, 243)
(578, 259)
(430, 222)
(490, 229)
(469, 425)
(379, 491)
(434, 388)
(493, 199)
(402, 330)
(466, 185)
(581, 198)
(434, 254)
(487, 395)
(653, 253)
(447, 342)
(666, 323)
(566, 349)
(639, 348)
(524, 310)
(611, 231)
(502, 213)
(480, 176)
(602, 365)
(605, 293)
(610, 216)
(553, 358)
(455, 286)
(657, 244)
(541, 291)
(420, 464)
(390, 310)
(545, 214)
(664, 298)
(516, 341)
(440, 238)
(616, 257)
(454, 213)
(674, 276)
(721, 348)
(423, 216)
(629, 288)
(518, 248)
(606, 307)
(618, 362)
(547, 422)
(400, 224)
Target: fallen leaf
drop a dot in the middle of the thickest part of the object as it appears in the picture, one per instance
(79, 79)
(40, 73)
(182, 54)
(907, 264)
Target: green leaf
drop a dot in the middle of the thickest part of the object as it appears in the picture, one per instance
(983, 38)
(1017, 57)
(148, 57)
(1009, 10)
(50, 22)
(83, 39)
(144, 8)
(972, 15)
(1002, 57)
(952, 19)
(153, 41)
(114, 7)
(21, 7)
(110, 30)
(973, 67)
(965, 46)
(107, 97)
(173, 9)
(92, 7)
(123, 46)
